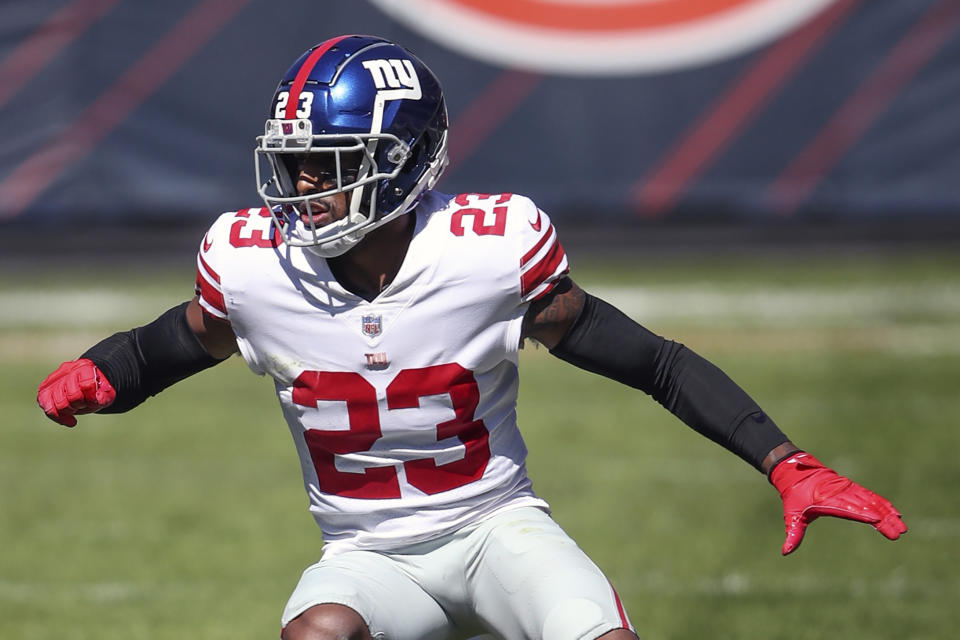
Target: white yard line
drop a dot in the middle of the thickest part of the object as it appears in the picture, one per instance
(912, 319)
(79, 308)
(91, 592)
(861, 305)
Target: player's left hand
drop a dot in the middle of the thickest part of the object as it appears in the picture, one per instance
(810, 490)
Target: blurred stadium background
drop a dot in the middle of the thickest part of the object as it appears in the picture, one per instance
(775, 183)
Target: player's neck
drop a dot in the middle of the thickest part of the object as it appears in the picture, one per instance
(371, 266)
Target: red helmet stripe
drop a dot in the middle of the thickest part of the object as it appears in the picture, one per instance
(293, 103)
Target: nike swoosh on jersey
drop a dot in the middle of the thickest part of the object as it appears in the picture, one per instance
(536, 225)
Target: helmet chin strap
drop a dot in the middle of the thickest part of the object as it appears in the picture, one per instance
(333, 248)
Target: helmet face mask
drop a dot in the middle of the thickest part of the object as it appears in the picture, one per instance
(372, 117)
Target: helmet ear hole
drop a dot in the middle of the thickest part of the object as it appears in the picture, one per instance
(399, 153)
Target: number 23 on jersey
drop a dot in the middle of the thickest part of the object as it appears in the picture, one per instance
(403, 392)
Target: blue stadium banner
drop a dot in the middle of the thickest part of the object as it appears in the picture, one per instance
(719, 110)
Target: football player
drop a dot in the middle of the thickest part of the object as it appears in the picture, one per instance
(389, 316)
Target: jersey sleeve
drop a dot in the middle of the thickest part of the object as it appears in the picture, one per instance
(208, 284)
(543, 262)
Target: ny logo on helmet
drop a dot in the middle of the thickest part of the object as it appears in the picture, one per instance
(393, 74)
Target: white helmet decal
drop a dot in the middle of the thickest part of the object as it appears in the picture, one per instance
(394, 74)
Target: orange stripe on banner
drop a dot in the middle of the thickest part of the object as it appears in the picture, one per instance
(723, 121)
(42, 46)
(602, 16)
(487, 112)
(862, 109)
(29, 180)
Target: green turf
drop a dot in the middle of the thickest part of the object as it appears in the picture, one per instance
(187, 519)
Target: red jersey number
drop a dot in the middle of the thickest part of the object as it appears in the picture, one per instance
(361, 398)
(404, 392)
(482, 226)
(239, 237)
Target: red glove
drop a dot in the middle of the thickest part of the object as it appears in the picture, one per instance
(75, 387)
(810, 490)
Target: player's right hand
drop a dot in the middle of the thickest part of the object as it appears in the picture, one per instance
(76, 387)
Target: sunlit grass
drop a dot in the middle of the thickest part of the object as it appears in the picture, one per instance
(186, 518)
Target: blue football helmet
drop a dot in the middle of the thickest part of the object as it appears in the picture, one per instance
(378, 115)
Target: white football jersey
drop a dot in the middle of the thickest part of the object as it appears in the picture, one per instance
(403, 408)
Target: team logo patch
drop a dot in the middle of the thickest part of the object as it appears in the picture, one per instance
(372, 325)
(376, 360)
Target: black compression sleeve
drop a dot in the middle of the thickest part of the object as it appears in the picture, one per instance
(144, 361)
(605, 341)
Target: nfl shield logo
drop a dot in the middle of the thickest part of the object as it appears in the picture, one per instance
(287, 128)
(372, 325)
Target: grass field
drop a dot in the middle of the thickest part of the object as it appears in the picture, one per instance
(187, 518)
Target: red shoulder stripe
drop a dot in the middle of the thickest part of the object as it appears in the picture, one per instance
(528, 256)
(543, 270)
(210, 295)
(213, 274)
